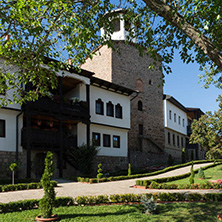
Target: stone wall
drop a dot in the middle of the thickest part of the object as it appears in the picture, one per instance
(6, 158)
(110, 164)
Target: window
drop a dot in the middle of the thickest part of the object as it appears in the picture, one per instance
(179, 120)
(99, 107)
(168, 138)
(119, 111)
(170, 114)
(173, 139)
(109, 109)
(2, 128)
(139, 85)
(106, 140)
(140, 129)
(150, 82)
(175, 117)
(96, 139)
(140, 106)
(183, 122)
(181, 141)
(116, 141)
(178, 141)
(116, 25)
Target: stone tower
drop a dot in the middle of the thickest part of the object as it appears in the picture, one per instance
(127, 68)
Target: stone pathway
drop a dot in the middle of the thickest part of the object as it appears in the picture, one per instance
(74, 189)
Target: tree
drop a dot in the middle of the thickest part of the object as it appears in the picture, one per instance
(13, 167)
(40, 29)
(207, 131)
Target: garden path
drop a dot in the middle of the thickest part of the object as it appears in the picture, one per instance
(73, 189)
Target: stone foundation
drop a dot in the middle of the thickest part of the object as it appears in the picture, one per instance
(141, 160)
(110, 163)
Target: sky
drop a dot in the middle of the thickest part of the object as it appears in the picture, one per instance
(183, 85)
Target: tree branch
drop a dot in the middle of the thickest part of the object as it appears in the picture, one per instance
(178, 21)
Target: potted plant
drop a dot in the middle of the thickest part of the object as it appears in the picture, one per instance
(47, 202)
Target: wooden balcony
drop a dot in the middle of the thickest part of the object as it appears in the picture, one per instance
(58, 108)
(46, 140)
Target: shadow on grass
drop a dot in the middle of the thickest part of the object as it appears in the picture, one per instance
(191, 212)
(118, 213)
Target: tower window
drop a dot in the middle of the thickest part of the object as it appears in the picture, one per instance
(175, 117)
(99, 107)
(109, 109)
(170, 114)
(140, 129)
(116, 25)
(173, 139)
(140, 106)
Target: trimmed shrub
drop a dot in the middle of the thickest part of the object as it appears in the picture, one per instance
(191, 179)
(194, 197)
(201, 174)
(154, 185)
(129, 170)
(100, 174)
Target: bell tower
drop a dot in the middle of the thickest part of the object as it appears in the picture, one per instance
(121, 26)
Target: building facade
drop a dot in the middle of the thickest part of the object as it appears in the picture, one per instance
(124, 66)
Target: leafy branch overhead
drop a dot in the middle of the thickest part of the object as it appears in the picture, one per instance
(32, 30)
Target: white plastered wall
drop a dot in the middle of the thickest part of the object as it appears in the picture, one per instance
(110, 151)
(8, 143)
(106, 96)
(81, 134)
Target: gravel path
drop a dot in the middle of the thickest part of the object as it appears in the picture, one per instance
(73, 189)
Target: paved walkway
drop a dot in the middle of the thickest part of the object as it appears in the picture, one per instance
(74, 189)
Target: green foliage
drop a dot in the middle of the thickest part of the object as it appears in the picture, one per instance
(129, 169)
(183, 156)
(149, 204)
(54, 28)
(206, 132)
(191, 178)
(100, 174)
(201, 174)
(160, 180)
(82, 157)
(13, 166)
(170, 160)
(47, 202)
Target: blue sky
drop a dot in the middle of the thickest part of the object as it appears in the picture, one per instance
(183, 85)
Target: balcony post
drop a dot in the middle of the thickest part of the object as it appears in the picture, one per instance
(88, 122)
(60, 149)
(28, 145)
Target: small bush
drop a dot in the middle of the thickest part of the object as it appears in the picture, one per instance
(194, 197)
(191, 179)
(129, 170)
(150, 206)
(201, 174)
(100, 174)
(154, 185)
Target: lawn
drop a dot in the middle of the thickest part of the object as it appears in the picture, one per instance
(177, 212)
(213, 173)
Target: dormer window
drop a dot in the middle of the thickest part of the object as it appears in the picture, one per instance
(109, 109)
(99, 107)
(119, 111)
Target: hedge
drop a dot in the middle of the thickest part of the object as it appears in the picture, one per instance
(147, 183)
(104, 199)
(107, 179)
(23, 186)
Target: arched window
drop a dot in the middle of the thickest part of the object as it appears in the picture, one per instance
(99, 107)
(140, 105)
(109, 109)
(139, 85)
(119, 111)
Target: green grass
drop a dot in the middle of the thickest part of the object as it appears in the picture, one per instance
(213, 173)
(172, 212)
